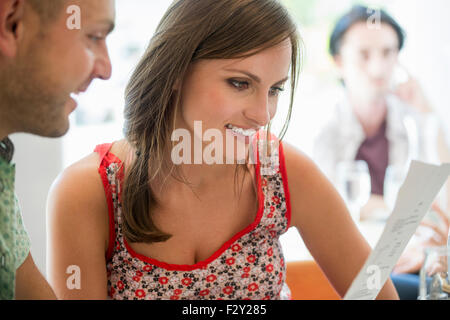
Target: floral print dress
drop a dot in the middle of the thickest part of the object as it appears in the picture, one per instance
(248, 266)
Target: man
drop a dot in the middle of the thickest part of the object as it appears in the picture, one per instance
(50, 51)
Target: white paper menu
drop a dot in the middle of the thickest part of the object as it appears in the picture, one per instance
(415, 197)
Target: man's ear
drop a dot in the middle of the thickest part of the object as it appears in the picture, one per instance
(11, 24)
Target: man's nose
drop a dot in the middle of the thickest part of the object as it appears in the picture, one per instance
(103, 67)
(377, 67)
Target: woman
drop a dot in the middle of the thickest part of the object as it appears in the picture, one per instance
(140, 227)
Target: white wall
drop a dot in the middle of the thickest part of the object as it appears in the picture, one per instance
(427, 51)
(38, 162)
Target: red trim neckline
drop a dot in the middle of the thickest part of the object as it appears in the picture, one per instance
(202, 264)
(285, 185)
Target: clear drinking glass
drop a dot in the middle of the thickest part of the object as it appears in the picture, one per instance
(393, 180)
(434, 281)
(354, 184)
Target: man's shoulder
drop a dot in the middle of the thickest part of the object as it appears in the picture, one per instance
(14, 242)
(6, 149)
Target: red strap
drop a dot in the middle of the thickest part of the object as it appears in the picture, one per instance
(103, 150)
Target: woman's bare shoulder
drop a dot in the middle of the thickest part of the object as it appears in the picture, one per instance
(85, 172)
(300, 168)
(77, 196)
(82, 172)
(78, 223)
(121, 149)
(310, 190)
(81, 184)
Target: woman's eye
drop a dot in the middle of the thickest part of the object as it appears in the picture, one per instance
(241, 85)
(244, 85)
(276, 91)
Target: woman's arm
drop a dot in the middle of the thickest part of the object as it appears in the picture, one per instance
(321, 217)
(77, 227)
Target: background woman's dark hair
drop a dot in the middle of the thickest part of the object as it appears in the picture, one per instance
(189, 31)
(361, 14)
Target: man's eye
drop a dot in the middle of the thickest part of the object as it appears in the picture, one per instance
(96, 38)
(240, 85)
(364, 55)
(388, 52)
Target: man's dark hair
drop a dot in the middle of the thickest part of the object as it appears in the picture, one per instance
(361, 14)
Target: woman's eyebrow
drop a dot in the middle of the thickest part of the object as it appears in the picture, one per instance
(255, 77)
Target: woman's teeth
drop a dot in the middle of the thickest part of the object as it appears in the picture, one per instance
(240, 131)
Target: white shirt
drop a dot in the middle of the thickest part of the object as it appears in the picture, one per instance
(341, 137)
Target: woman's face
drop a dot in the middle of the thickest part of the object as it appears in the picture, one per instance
(237, 94)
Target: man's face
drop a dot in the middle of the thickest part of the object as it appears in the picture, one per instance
(367, 59)
(55, 63)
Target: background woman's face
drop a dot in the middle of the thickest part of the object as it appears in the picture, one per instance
(367, 59)
(238, 92)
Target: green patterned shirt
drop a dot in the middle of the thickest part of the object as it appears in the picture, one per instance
(14, 240)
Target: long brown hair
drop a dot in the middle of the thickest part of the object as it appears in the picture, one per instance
(189, 31)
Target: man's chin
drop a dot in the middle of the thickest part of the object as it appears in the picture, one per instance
(59, 128)
(51, 131)
(377, 94)
(59, 132)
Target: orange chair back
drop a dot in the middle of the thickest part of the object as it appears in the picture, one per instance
(307, 282)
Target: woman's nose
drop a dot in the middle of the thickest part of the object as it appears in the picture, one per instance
(259, 112)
